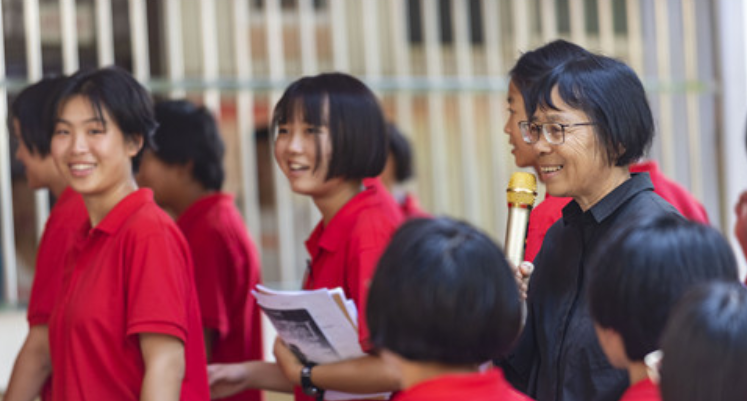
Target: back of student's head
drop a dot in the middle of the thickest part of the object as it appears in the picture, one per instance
(401, 151)
(534, 64)
(443, 292)
(642, 270)
(189, 134)
(126, 101)
(705, 346)
(353, 115)
(32, 108)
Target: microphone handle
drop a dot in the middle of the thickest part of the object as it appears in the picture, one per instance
(516, 233)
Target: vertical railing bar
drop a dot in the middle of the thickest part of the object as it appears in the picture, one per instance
(174, 46)
(307, 37)
(34, 68)
(245, 121)
(436, 119)
(104, 33)
(69, 27)
(371, 45)
(210, 56)
(471, 175)
(284, 202)
(606, 27)
(500, 163)
(139, 35)
(549, 17)
(340, 53)
(690, 25)
(399, 43)
(577, 14)
(10, 273)
(635, 36)
(664, 75)
(521, 24)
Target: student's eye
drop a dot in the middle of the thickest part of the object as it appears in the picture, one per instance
(61, 131)
(95, 131)
(313, 130)
(281, 131)
(511, 111)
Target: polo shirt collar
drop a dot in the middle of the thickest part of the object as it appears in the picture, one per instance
(336, 233)
(201, 206)
(121, 212)
(637, 183)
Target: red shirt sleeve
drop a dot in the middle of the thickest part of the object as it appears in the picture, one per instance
(542, 218)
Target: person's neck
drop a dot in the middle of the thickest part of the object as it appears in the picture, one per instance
(417, 372)
(57, 187)
(617, 177)
(332, 202)
(190, 193)
(637, 372)
(100, 205)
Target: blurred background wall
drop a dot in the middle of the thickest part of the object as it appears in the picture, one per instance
(439, 67)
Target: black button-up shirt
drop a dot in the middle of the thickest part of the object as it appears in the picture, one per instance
(558, 357)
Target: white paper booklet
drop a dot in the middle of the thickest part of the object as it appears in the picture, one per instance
(320, 326)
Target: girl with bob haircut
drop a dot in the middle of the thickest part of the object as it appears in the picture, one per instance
(330, 134)
(637, 277)
(127, 326)
(444, 301)
(704, 345)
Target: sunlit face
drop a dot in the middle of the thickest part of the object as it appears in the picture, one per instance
(164, 179)
(91, 153)
(523, 153)
(577, 168)
(41, 171)
(296, 154)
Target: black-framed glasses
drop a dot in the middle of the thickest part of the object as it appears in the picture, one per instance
(554, 132)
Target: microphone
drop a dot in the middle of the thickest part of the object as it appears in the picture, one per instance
(521, 193)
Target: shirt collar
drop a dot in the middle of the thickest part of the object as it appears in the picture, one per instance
(121, 212)
(637, 183)
(332, 236)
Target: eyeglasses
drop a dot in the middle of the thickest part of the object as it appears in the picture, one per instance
(652, 360)
(554, 132)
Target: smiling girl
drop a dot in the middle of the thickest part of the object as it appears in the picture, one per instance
(127, 325)
(330, 134)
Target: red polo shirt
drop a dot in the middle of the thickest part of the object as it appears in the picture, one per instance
(411, 207)
(227, 267)
(346, 251)
(644, 390)
(485, 386)
(67, 215)
(551, 209)
(130, 274)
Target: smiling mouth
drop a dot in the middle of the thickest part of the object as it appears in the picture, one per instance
(550, 169)
(294, 167)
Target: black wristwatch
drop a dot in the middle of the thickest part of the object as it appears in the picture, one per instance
(308, 387)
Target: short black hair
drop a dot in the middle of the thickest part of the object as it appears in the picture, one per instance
(127, 102)
(640, 272)
(705, 345)
(610, 94)
(353, 115)
(32, 108)
(534, 64)
(401, 150)
(188, 133)
(443, 292)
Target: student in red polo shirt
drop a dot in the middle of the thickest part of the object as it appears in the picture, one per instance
(638, 275)
(127, 325)
(185, 172)
(705, 345)
(442, 303)
(330, 134)
(30, 115)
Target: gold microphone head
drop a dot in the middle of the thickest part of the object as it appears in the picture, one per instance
(522, 189)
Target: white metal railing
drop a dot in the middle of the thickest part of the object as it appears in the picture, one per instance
(447, 97)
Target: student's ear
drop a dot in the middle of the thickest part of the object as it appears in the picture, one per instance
(613, 346)
(134, 144)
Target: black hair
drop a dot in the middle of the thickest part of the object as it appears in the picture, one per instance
(642, 270)
(32, 108)
(125, 100)
(534, 64)
(705, 346)
(610, 94)
(443, 292)
(188, 133)
(401, 150)
(353, 115)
